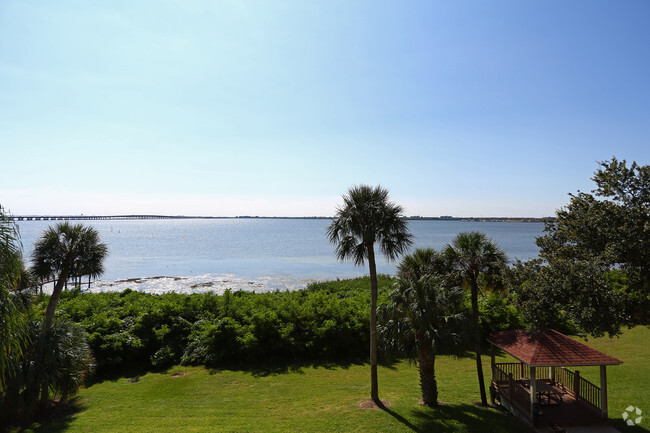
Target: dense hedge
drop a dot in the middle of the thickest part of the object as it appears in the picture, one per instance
(325, 322)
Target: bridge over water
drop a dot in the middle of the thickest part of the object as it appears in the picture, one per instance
(95, 217)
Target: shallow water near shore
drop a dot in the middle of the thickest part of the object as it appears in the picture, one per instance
(197, 255)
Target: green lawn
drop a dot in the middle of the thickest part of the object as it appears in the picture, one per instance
(627, 384)
(321, 399)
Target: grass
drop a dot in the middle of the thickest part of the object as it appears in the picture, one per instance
(325, 399)
(627, 384)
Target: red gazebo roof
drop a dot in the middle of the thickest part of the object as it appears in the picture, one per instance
(549, 348)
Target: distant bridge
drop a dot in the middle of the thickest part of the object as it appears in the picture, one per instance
(95, 217)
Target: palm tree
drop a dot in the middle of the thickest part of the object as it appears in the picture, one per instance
(473, 254)
(423, 311)
(65, 251)
(56, 363)
(366, 218)
(13, 325)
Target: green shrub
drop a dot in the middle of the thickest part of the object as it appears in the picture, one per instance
(326, 321)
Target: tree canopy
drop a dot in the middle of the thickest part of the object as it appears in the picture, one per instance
(65, 251)
(594, 269)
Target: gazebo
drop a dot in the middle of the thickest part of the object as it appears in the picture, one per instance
(540, 387)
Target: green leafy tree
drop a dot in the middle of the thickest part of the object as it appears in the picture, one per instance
(609, 229)
(366, 218)
(66, 251)
(423, 312)
(593, 274)
(575, 296)
(473, 255)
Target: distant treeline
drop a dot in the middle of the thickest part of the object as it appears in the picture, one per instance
(485, 219)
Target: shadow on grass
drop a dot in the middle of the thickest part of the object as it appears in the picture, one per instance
(278, 368)
(255, 368)
(56, 418)
(624, 428)
(115, 375)
(461, 417)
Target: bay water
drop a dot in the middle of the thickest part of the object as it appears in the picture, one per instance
(259, 254)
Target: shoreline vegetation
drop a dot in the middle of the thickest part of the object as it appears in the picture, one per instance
(211, 346)
(145, 217)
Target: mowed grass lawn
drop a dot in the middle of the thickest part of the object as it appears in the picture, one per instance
(321, 399)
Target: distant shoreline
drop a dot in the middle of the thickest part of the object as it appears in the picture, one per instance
(157, 217)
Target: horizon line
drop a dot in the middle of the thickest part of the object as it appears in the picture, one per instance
(55, 217)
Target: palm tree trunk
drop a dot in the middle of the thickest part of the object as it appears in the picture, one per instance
(477, 342)
(54, 299)
(428, 383)
(374, 385)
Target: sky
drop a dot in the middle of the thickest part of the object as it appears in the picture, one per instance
(276, 108)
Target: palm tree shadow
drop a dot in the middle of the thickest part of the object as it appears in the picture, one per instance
(57, 418)
(449, 418)
(400, 418)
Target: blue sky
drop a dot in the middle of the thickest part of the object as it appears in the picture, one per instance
(464, 108)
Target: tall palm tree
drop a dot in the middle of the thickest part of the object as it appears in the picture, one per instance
(423, 311)
(366, 218)
(473, 254)
(65, 251)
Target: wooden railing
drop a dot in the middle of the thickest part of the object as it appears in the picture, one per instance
(509, 388)
(579, 386)
(520, 370)
(590, 393)
(505, 375)
(506, 368)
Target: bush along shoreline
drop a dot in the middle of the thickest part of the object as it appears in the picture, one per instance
(325, 322)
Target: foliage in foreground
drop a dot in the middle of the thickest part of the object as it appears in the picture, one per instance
(54, 364)
(13, 325)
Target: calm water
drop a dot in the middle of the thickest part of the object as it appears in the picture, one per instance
(252, 254)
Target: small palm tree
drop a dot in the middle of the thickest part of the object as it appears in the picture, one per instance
(65, 251)
(366, 218)
(423, 311)
(56, 363)
(473, 254)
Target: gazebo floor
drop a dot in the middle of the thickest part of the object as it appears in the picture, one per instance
(570, 412)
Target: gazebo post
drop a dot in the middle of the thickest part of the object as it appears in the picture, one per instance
(492, 365)
(552, 374)
(492, 357)
(533, 393)
(603, 390)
